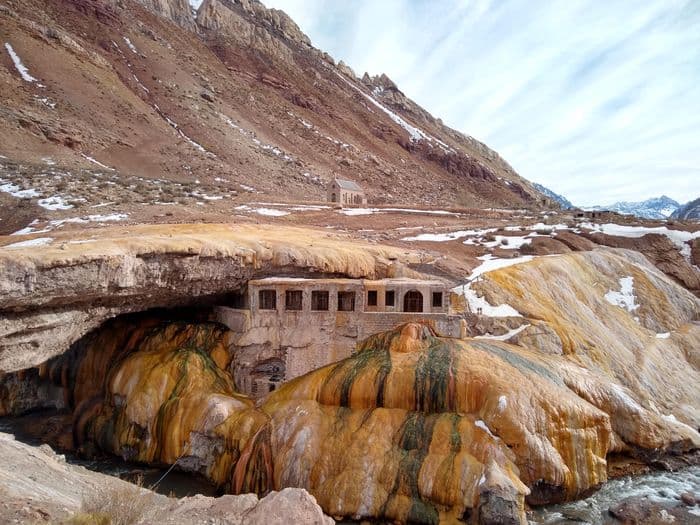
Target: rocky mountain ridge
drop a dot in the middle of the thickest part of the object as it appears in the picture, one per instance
(233, 96)
(559, 199)
(689, 211)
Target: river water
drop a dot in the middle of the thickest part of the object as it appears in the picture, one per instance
(658, 486)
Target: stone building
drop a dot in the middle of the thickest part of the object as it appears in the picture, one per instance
(346, 192)
(286, 327)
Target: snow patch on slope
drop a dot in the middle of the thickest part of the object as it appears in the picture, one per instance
(678, 237)
(625, 298)
(39, 241)
(506, 336)
(19, 66)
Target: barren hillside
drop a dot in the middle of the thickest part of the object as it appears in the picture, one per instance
(116, 100)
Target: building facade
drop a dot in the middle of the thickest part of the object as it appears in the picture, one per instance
(346, 193)
(286, 327)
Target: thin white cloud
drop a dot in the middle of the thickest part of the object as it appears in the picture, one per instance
(596, 100)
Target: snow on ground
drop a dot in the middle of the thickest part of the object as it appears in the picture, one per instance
(370, 211)
(664, 335)
(131, 46)
(479, 305)
(95, 161)
(177, 128)
(55, 202)
(39, 241)
(493, 263)
(57, 223)
(311, 127)
(679, 237)
(308, 207)
(415, 133)
(540, 226)
(17, 191)
(441, 237)
(206, 197)
(250, 135)
(21, 69)
(504, 337)
(507, 242)
(269, 212)
(502, 402)
(625, 297)
(46, 101)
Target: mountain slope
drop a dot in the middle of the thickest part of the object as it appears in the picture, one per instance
(236, 100)
(689, 211)
(559, 199)
(656, 208)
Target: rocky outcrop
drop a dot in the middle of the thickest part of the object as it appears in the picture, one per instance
(252, 25)
(412, 412)
(53, 294)
(633, 342)
(661, 251)
(178, 11)
(51, 489)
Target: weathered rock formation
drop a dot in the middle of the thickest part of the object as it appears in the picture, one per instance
(660, 250)
(53, 294)
(51, 489)
(627, 347)
(179, 11)
(431, 428)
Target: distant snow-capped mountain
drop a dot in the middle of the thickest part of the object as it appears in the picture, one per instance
(656, 208)
(563, 201)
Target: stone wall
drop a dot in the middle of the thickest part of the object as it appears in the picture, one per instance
(305, 340)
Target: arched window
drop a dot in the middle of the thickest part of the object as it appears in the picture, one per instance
(334, 198)
(413, 301)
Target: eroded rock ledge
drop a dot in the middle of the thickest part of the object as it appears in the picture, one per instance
(52, 294)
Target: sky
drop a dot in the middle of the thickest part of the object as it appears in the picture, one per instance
(599, 100)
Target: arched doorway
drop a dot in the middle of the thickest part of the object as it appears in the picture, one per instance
(334, 198)
(413, 301)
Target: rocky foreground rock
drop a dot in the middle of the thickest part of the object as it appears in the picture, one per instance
(51, 490)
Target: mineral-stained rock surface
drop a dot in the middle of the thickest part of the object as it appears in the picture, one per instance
(413, 426)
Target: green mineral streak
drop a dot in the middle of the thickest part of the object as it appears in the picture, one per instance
(433, 372)
(371, 359)
(413, 439)
(518, 361)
